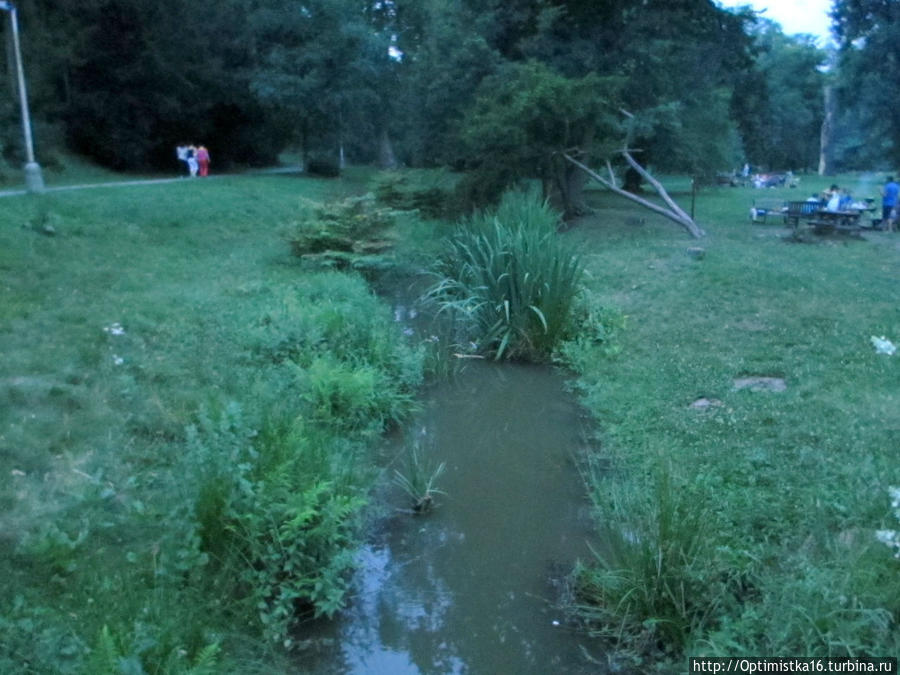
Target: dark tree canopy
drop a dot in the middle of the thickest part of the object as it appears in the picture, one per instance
(402, 80)
(868, 69)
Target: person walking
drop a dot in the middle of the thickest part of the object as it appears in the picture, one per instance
(203, 160)
(889, 194)
(181, 151)
(192, 160)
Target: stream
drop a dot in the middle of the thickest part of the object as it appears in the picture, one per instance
(474, 585)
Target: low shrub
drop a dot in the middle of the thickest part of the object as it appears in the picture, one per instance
(324, 166)
(298, 546)
(352, 233)
(431, 193)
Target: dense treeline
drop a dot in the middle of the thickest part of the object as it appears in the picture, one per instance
(427, 82)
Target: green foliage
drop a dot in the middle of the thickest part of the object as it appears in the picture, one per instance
(778, 104)
(113, 655)
(35, 639)
(335, 316)
(521, 121)
(867, 129)
(52, 547)
(349, 233)
(510, 277)
(297, 547)
(430, 193)
(159, 432)
(652, 587)
(352, 397)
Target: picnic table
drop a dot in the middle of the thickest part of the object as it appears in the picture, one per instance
(824, 221)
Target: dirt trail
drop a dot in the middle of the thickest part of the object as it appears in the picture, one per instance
(150, 181)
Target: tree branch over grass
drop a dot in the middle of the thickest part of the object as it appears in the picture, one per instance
(674, 212)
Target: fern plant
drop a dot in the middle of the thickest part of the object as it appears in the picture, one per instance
(297, 549)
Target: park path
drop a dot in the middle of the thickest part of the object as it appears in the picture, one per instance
(150, 181)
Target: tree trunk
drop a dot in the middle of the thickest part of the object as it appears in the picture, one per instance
(826, 137)
(386, 157)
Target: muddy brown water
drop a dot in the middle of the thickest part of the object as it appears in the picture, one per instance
(474, 585)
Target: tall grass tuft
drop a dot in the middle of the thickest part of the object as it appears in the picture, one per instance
(651, 586)
(511, 279)
(419, 481)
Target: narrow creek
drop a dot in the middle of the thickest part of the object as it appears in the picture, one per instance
(473, 586)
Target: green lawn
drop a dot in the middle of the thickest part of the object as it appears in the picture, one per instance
(172, 379)
(787, 488)
(166, 361)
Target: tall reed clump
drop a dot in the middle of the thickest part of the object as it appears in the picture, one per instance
(511, 279)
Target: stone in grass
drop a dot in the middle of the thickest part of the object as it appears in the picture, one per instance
(760, 383)
(696, 252)
(706, 403)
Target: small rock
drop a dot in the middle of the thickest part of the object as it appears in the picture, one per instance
(696, 252)
(704, 403)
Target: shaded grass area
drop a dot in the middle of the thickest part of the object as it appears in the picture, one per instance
(185, 416)
(786, 488)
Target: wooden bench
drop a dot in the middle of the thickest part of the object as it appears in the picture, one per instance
(763, 208)
(797, 210)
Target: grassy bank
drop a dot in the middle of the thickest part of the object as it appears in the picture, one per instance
(186, 417)
(187, 413)
(734, 521)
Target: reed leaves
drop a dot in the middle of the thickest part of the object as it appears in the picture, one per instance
(511, 279)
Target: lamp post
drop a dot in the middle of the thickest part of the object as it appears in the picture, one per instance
(34, 181)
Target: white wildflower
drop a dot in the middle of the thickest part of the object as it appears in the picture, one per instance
(114, 329)
(894, 492)
(118, 360)
(888, 537)
(883, 345)
(892, 537)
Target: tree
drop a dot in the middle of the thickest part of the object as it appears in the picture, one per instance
(444, 61)
(867, 123)
(522, 121)
(149, 74)
(778, 103)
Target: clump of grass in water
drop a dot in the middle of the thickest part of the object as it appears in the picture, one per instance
(509, 276)
(419, 481)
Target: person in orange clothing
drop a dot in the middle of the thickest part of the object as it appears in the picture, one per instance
(203, 160)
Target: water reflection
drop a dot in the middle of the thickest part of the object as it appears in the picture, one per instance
(469, 587)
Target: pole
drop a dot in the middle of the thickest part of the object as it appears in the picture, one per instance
(693, 194)
(34, 181)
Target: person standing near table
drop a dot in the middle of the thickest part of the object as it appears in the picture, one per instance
(889, 194)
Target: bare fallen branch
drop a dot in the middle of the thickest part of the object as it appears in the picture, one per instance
(673, 213)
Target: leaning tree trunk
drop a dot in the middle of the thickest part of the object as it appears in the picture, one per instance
(673, 212)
